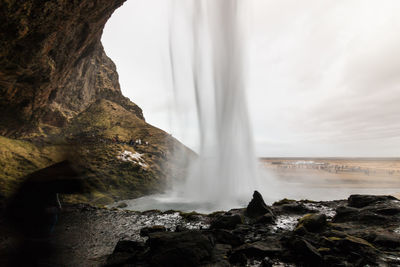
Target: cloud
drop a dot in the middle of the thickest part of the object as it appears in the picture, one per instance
(322, 76)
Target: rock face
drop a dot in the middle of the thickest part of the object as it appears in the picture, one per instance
(43, 43)
(60, 98)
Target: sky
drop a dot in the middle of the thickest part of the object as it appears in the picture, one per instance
(321, 76)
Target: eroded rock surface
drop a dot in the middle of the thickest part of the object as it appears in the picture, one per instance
(316, 240)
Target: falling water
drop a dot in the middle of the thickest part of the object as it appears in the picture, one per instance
(206, 62)
(224, 175)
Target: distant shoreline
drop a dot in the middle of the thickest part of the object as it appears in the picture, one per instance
(332, 158)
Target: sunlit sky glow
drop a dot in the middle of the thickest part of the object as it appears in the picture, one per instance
(322, 76)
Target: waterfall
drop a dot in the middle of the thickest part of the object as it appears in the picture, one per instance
(206, 46)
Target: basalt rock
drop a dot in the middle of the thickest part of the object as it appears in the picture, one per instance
(361, 201)
(60, 98)
(257, 206)
(316, 241)
(152, 229)
(190, 248)
(226, 221)
(47, 50)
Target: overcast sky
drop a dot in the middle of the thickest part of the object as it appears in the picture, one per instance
(323, 77)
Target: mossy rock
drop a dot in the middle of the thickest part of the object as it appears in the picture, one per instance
(312, 222)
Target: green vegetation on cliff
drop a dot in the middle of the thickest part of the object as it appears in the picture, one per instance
(113, 169)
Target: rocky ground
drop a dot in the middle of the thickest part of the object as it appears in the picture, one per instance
(360, 231)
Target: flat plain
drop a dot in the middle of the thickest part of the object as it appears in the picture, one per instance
(333, 178)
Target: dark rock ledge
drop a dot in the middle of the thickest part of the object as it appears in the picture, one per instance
(365, 231)
(360, 231)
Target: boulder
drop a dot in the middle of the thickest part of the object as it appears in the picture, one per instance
(387, 240)
(259, 249)
(190, 248)
(360, 201)
(313, 222)
(226, 221)
(305, 251)
(266, 219)
(152, 229)
(295, 208)
(126, 252)
(257, 206)
(227, 237)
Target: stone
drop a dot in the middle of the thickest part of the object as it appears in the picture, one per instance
(295, 208)
(219, 255)
(360, 201)
(227, 237)
(388, 240)
(313, 222)
(126, 252)
(305, 251)
(190, 248)
(152, 229)
(257, 206)
(260, 249)
(266, 219)
(226, 222)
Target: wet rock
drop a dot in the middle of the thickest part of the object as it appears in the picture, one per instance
(313, 222)
(227, 237)
(257, 206)
(345, 212)
(388, 240)
(126, 252)
(260, 249)
(305, 251)
(295, 208)
(181, 228)
(152, 229)
(369, 215)
(219, 255)
(360, 201)
(226, 221)
(284, 201)
(190, 248)
(266, 219)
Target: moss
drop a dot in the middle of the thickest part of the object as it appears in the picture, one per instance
(322, 249)
(359, 241)
(283, 201)
(334, 238)
(19, 158)
(87, 141)
(189, 216)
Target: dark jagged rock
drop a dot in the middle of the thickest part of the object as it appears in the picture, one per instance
(257, 206)
(315, 241)
(152, 229)
(374, 210)
(387, 240)
(266, 219)
(226, 221)
(190, 248)
(60, 98)
(227, 237)
(294, 208)
(313, 222)
(305, 251)
(361, 201)
(126, 252)
(42, 42)
(259, 249)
